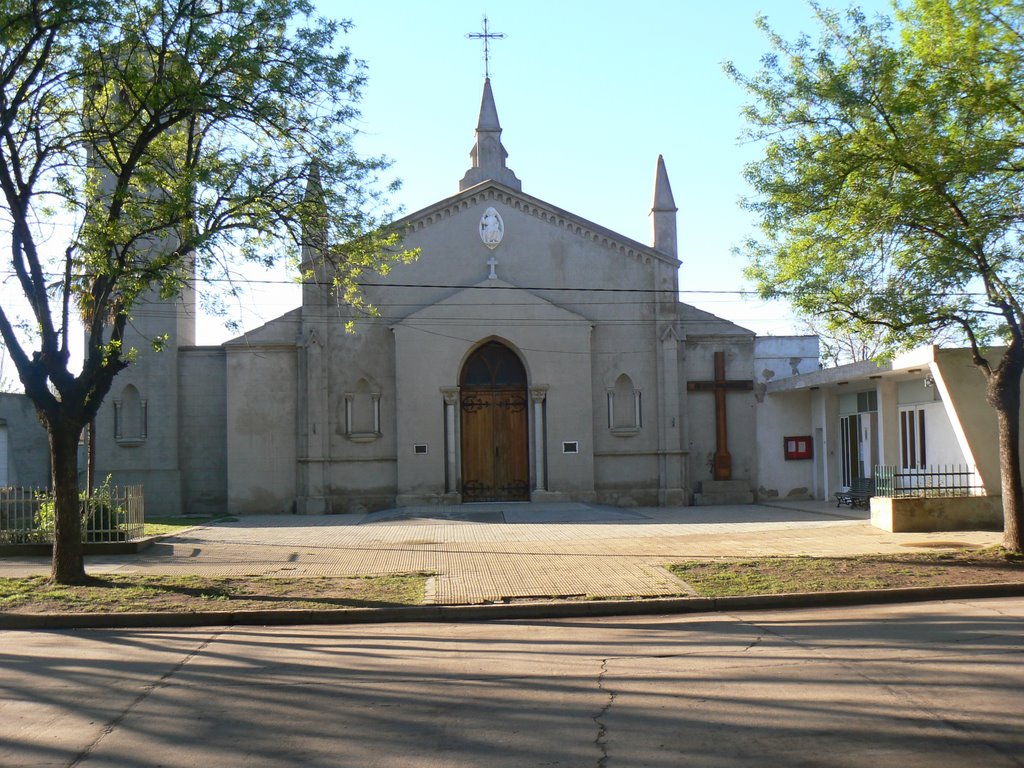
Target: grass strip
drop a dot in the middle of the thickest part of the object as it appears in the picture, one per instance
(122, 593)
(783, 575)
(158, 526)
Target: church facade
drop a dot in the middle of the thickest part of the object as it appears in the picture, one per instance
(527, 354)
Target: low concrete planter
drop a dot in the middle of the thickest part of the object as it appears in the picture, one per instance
(928, 514)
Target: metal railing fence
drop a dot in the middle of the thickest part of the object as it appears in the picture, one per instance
(111, 514)
(941, 480)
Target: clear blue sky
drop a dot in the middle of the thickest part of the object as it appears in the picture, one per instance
(588, 94)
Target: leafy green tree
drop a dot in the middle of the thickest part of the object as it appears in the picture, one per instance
(840, 344)
(889, 193)
(176, 136)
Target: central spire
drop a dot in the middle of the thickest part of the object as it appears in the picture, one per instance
(488, 154)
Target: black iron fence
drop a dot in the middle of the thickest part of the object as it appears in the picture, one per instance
(112, 513)
(943, 480)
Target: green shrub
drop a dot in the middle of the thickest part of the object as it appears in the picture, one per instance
(102, 518)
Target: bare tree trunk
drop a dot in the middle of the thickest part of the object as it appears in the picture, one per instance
(1004, 396)
(68, 563)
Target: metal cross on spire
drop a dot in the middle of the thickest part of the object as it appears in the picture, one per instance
(486, 36)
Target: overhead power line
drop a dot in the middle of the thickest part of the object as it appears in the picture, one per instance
(436, 286)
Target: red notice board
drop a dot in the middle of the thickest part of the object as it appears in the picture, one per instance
(799, 447)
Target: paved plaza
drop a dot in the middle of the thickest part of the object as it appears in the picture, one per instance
(498, 552)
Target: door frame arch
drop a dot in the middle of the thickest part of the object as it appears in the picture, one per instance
(494, 416)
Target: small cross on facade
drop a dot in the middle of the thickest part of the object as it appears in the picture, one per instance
(486, 36)
(492, 263)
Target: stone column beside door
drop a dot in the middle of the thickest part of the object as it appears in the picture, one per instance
(537, 397)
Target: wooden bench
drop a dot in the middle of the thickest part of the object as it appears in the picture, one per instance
(860, 493)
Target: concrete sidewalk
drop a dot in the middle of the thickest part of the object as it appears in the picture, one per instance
(495, 552)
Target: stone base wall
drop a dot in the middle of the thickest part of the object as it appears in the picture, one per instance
(920, 515)
(714, 493)
(627, 497)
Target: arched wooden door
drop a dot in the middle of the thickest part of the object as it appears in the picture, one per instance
(495, 447)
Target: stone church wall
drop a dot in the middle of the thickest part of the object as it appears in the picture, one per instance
(261, 429)
(741, 416)
(362, 411)
(138, 425)
(203, 437)
(27, 449)
(433, 346)
(625, 403)
(626, 479)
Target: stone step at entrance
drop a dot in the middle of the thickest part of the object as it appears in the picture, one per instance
(720, 492)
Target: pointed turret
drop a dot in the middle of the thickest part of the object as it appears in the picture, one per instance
(314, 236)
(488, 154)
(314, 187)
(313, 261)
(663, 213)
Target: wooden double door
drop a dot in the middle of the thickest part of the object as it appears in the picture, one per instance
(494, 417)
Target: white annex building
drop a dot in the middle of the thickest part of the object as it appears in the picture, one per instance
(527, 354)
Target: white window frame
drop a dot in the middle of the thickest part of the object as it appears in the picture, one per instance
(913, 438)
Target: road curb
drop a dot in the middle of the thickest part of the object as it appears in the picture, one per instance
(494, 612)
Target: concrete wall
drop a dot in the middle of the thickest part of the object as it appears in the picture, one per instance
(962, 387)
(202, 390)
(149, 459)
(888, 422)
(433, 344)
(576, 343)
(626, 464)
(741, 418)
(261, 428)
(826, 419)
(919, 515)
(782, 415)
(26, 460)
(779, 416)
(779, 357)
(361, 474)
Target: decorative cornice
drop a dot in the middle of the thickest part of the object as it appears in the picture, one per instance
(491, 192)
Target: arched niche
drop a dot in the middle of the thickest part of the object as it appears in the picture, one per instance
(130, 417)
(625, 407)
(362, 412)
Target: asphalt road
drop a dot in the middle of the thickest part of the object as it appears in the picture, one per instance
(927, 684)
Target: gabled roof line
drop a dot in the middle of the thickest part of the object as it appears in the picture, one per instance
(493, 191)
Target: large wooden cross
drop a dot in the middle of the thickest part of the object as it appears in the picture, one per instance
(721, 385)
